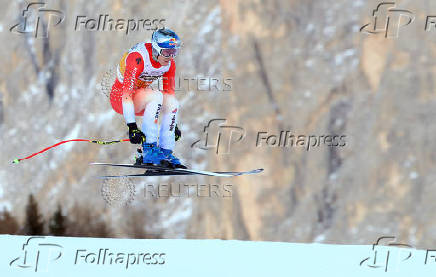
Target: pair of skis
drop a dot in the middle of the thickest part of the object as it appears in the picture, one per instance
(152, 170)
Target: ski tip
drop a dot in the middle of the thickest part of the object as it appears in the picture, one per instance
(108, 176)
(15, 161)
(254, 171)
(97, 163)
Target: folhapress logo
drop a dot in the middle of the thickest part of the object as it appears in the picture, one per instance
(388, 19)
(33, 20)
(37, 254)
(379, 258)
(219, 136)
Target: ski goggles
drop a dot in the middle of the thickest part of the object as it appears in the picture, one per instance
(169, 52)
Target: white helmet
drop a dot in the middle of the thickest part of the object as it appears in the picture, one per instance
(165, 42)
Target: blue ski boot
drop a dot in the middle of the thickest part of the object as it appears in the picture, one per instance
(152, 154)
(171, 160)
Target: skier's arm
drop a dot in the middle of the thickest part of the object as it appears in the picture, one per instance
(134, 67)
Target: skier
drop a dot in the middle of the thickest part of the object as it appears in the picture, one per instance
(131, 95)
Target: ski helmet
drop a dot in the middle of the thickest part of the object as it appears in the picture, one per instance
(165, 42)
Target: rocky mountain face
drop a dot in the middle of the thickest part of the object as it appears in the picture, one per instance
(298, 66)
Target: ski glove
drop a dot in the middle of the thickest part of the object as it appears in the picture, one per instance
(135, 135)
(178, 133)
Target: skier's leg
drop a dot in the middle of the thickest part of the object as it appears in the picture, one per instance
(170, 108)
(149, 102)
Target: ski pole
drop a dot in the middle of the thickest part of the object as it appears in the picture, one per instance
(65, 141)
